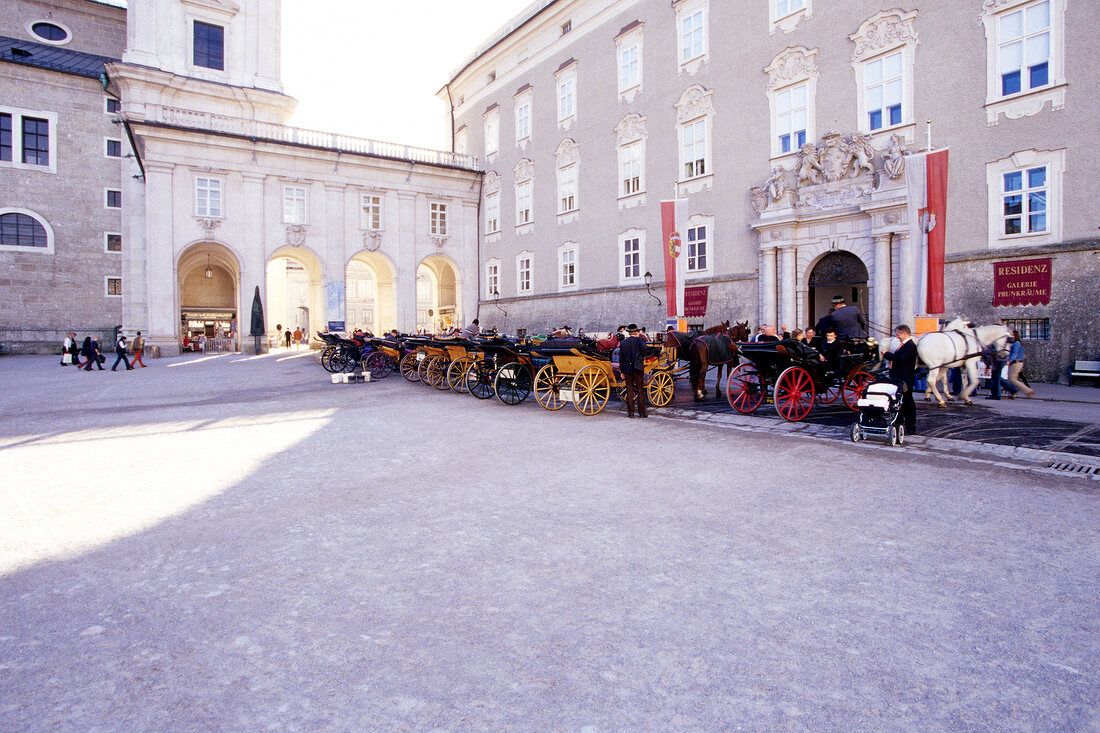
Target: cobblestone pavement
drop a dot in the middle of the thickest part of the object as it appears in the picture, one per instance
(236, 544)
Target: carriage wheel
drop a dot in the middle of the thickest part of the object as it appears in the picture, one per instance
(794, 394)
(660, 388)
(341, 361)
(409, 367)
(437, 373)
(378, 364)
(745, 389)
(853, 388)
(512, 383)
(317, 354)
(456, 374)
(832, 391)
(548, 387)
(591, 389)
(479, 379)
(326, 358)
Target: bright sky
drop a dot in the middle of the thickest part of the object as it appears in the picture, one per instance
(371, 68)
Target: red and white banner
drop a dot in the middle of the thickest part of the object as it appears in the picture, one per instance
(926, 175)
(673, 231)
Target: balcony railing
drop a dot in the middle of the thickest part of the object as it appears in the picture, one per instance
(313, 138)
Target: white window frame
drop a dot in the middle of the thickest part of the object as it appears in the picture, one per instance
(17, 115)
(784, 17)
(206, 72)
(107, 147)
(785, 115)
(524, 102)
(462, 140)
(370, 212)
(793, 67)
(525, 203)
(107, 103)
(878, 37)
(52, 21)
(106, 240)
(629, 43)
(492, 212)
(525, 266)
(1026, 102)
(492, 131)
(48, 249)
(632, 182)
(1055, 163)
(699, 166)
(688, 11)
(106, 193)
(437, 218)
(567, 189)
(566, 93)
(107, 286)
(630, 236)
(300, 203)
(694, 223)
(695, 106)
(492, 278)
(567, 275)
(207, 184)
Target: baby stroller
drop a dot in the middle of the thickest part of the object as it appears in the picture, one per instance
(880, 412)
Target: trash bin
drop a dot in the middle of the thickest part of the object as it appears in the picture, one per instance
(154, 352)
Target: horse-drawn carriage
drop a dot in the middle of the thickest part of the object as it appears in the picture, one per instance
(441, 363)
(585, 377)
(504, 368)
(795, 377)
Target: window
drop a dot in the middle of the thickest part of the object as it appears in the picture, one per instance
(370, 213)
(628, 54)
(696, 248)
(567, 266)
(694, 150)
(49, 32)
(294, 205)
(492, 130)
(786, 14)
(632, 258)
(208, 197)
(692, 36)
(883, 91)
(492, 212)
(209, 48)
(22, 230)
(438, 223)
(114, 286)
(790, 118)
(630, 166)
(523, 273)
(567, 97)
(523, 115)
(114, 198)
(112, 106)
(1031, 329)
(1023, 49)
(492, 278)
(112, 242)
(25, 139)
(630, 74)
(784, 8)
(36, 141)
(567, 189)
(566, 27)
(1024, 201)
(523, 203)
(114, 148)
(5, 137)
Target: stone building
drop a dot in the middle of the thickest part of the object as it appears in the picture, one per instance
(796, 132)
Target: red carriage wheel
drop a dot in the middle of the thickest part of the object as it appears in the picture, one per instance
(745, 389)
(853, 388)
(832, 391)
(794, 394)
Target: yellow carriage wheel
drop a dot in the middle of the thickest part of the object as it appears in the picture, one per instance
(456, 374)
(660, 388)
(591, 389)
(408, 366)
(547, 388)
(437, 373)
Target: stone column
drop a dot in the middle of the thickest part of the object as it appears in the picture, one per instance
(253, 260)
(162, 277)
(788, 289)
(880, 306)
(767, 285)
(332, 252)
(408, 257)
(908, 274)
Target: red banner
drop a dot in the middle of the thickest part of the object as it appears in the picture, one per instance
(1022, 282)
(937, 233)
(672, 221)
(695, 300)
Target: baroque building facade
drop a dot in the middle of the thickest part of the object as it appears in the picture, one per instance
(212, 198)
(797, 131)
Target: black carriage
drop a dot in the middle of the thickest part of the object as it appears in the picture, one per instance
(794, 377)
(503, 368)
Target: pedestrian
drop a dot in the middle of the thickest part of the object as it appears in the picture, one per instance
(632, 367)
(137, 346)
(90, 350)
(121, 347)
(67, 349)
(903, 368)
(297, 338)
(1016, 365)
(287, 336)
(74, 349)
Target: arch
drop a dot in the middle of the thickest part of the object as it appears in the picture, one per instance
(295, 291)
(15, 234)
(208, 304)
(370, 285)
(836, 272)
(443, 296)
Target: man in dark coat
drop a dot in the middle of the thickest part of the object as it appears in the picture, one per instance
(631, 356)
(848, 320)
(903, 368)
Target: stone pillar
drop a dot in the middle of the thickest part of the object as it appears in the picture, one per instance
(332, 252)
(407, 260)
(471, 269)
(880, 306)
(908, 274)
(162, 277)
(767, 285)
(135, 274)
(788, 290)
(253, 261)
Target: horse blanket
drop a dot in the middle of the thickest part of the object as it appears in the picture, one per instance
(720, 349)
(683, 341)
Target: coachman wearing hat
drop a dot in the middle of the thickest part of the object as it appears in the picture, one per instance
(632, 367)
(847, 319)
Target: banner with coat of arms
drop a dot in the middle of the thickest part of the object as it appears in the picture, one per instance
(673, 222)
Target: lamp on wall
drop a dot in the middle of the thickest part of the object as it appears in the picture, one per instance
(649, 281)
(208, 273)
(496, 301)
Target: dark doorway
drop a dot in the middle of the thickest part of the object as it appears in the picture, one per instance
(837, 273)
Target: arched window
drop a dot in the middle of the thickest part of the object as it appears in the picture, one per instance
(24, 231)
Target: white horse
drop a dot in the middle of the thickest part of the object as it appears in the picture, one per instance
(959, 344)
(894, 344)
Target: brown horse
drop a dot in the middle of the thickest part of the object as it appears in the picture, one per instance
(719, 349)
(681, 341)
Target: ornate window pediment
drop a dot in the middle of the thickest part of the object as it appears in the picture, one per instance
(524, 170)
(492, 182)
(883, 31)
(631, 128)
(791, 65)
(568, 152)
(695, 102)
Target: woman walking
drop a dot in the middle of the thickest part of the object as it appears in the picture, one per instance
(91, 353)
(1016, 365)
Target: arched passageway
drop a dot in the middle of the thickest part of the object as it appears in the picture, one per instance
(295, 298)
(370, 296)
(836, 273)
(209, 286)
(438, 290)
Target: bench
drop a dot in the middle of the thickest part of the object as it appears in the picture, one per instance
(1086, 369)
